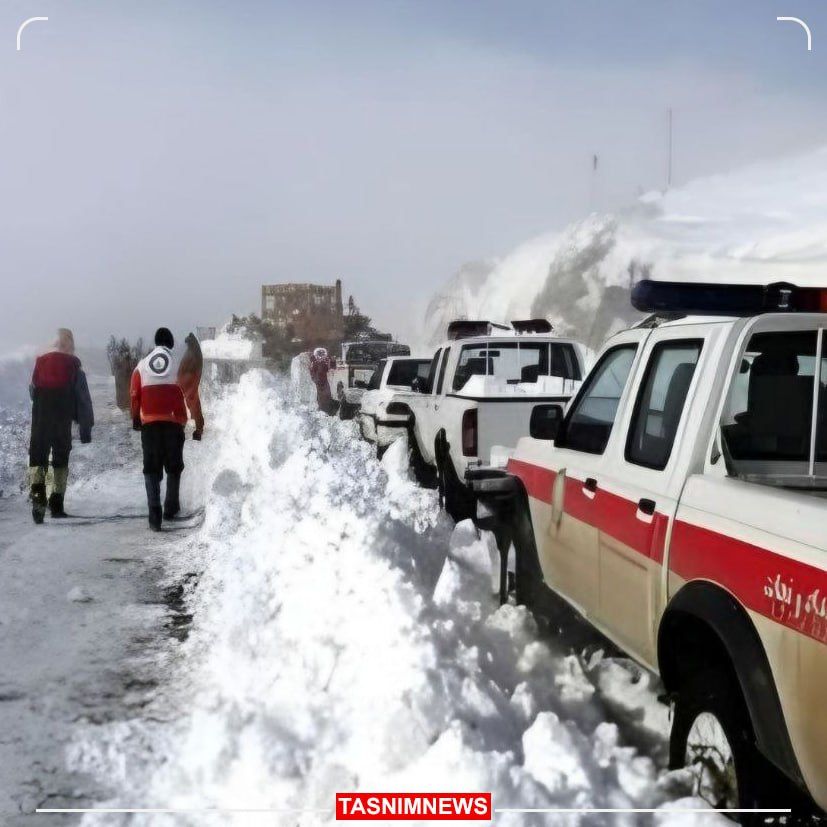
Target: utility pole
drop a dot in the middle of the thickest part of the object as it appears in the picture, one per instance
(669, 167)
(593, 184)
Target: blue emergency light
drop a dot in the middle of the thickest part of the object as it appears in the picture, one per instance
(706, 299)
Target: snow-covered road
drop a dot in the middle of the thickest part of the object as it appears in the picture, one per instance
(344, 636)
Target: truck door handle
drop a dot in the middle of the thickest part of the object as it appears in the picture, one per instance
(590, 487)
(646, 506)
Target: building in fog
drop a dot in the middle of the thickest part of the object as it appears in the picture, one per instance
(307, 312)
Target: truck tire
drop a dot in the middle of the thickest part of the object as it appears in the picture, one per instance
(423, 473)
(712, 735)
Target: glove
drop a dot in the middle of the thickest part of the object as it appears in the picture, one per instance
(196, 435)
(136, 423)
(85, 439)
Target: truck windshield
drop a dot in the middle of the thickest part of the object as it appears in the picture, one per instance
(516, 362)
(774, 420)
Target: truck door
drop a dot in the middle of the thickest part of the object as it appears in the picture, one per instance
(568, 537)
(638, 500)
(425, 412)
(430, 424)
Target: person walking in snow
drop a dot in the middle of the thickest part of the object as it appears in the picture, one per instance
(164, 395)
(60, 395)
(320, 365)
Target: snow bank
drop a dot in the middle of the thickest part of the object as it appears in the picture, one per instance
(345, 637)
(764, 223)
(304, 391)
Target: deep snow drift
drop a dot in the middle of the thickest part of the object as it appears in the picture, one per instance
(345, 636)
(761, 224)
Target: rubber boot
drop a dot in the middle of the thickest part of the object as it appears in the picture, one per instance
(153, 498)
(56, 505)
(171, 503)
(38, 501)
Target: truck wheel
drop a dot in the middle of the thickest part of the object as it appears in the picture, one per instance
(712, 736)
(423, 473)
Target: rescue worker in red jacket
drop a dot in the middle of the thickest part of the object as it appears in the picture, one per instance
(60, 394)
(164, 395)
(320, 365)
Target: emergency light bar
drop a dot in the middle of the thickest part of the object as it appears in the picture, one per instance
(532, 326)
(466, 328)
(707, 299)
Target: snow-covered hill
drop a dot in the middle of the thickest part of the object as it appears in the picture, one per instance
(764, 223)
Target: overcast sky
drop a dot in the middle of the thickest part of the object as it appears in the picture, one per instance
(160, 160)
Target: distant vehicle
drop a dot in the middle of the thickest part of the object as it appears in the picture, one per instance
(354, 368)
(394, 374)
(680, 505)
(482, 388)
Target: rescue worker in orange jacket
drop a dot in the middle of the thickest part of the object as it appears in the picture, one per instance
(164, 395)
(59, 394)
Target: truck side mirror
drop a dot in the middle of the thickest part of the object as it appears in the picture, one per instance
(416, 385)
(545, 421)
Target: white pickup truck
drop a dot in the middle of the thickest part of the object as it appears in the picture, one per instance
(680, 505)
(482, 387)
(392, 375)
(354, 368)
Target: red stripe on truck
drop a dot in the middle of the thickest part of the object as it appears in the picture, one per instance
(787, 591)
(609, 513)
(538, 481)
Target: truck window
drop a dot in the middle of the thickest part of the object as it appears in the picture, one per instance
(660, 402)
(404, 371)
(515, 362)
(442, 369)
(432, 372)
(472, 362)
(589, 422)
(376, 376)
(767, 423)
(564, 362)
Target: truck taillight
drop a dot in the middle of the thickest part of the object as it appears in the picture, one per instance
(469, 433)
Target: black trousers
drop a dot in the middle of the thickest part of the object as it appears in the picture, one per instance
(163, 446)
(52, 411)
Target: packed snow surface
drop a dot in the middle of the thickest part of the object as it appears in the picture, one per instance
(761, 224)
(345, 637)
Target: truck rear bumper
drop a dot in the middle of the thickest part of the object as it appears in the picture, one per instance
(491, 483)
